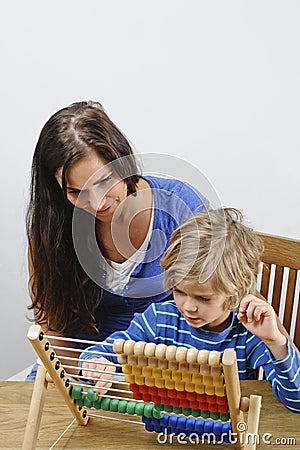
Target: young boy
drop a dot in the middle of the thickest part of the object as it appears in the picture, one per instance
(211, 265)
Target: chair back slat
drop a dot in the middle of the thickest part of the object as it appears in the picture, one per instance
(277, 288)
(265, 280)
(280, 280)
(297, 326)
(289, 300)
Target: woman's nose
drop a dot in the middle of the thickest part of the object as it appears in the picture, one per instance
(96, 201)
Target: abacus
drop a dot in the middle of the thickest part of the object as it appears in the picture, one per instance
(168, 389)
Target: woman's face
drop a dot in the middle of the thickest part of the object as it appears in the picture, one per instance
(94, 186)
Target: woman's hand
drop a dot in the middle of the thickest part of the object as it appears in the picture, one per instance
(259, 317)
(93, 368)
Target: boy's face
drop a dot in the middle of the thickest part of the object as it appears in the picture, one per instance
(201, 306)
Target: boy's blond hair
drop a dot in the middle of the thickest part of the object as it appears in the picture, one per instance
(214, 245)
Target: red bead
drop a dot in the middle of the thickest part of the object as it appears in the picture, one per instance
(191, 395)
(184, 403)
(172, 393)
(222, 409)
(213, 407)
(147, 398)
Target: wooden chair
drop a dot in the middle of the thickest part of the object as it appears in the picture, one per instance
(280, 280)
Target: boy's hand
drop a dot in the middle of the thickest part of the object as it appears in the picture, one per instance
(259, 317)
(91, 368)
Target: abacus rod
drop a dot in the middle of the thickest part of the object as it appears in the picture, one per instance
(70, 349)
(116, 418)
(124, 391)
(90, 370)
(96, 362)
(80, 341)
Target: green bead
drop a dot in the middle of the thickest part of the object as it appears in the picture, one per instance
(114, 405)
(157, 414)
(92, 395)
(177, 409)
(196, 412)
(105, 404)
(76, 392)
(79, 401)
(87, 402)
(97, 403)
(148, 410)
(139, 409)
(122, 406)
(159, 406)
(204, 413)
(186, 411)
(168, 408)
(131, 407)
(214, 415)
(224, 417)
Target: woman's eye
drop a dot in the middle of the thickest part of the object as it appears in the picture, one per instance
(105, 180)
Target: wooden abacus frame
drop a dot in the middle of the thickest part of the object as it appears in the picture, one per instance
(156, 355)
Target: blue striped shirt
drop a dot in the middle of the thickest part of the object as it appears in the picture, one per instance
(162, 323)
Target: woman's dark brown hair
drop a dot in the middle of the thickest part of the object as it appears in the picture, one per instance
(64, 297)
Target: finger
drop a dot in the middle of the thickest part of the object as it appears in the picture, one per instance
(244, 304)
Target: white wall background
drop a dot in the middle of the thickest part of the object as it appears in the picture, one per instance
(215, 82)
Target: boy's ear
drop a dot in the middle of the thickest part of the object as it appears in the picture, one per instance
(232, 302)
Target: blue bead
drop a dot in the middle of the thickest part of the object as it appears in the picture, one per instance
(190, 424)
(173, 421)
(146, 419)
(165, 420)
(199, 425)
(155, 421)
(181, 423)
(149, 427)
(226, 432)
(208, 426)
(158, 429)
(217, 428)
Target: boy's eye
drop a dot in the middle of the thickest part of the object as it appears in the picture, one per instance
(203, 299)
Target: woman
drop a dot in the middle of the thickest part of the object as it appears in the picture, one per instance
(96, 227)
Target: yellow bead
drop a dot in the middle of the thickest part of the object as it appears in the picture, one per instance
(187, 376)
(140, 380)
(218, 381)
(179, 385)
(220, 391)
(127, 368)
(166, 374)
(136, 370)
(129, 378)
(197, 378)
(156, 372)
(207, 379)
(209, 389)
(170, 384)
(150, 381)
(147, 371)
(176, 375)
(190, 387)
(160, 382)
(199, 388)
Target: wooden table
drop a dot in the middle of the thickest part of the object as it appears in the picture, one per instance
(281, 425)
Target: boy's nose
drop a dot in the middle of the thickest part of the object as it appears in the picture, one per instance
(190, 305)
